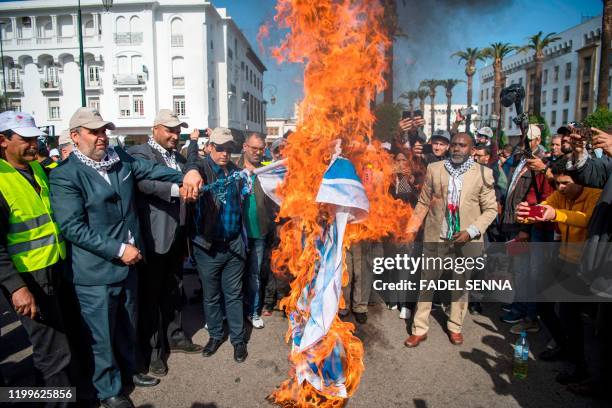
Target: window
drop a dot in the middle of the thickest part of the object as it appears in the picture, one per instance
(212, 46)
(124, 106)
(138, 104)
(486, 110)
(481, 95)
(566, 93)
(179, 105)
(26, 22)
(565, 116)
(93, 102)
(93, 75)
(568, 71)
(520, 81)
(556, 73)
(553, 118)
(15, 105)
(178, 76)
(545, 77)
(543, 98)
(54, 108)
(247, 73)
(52, 75)
(555, 96)
(487, 93)
(176, 32)
(272, 131)
(122, 65)
(230, 53)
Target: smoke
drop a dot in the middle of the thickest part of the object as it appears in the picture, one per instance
(433, 30)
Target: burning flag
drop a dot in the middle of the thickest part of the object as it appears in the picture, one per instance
(325, 206)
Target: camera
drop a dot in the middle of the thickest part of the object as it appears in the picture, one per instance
(511, 95)
(467, 111)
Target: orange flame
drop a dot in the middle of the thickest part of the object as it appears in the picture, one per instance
(342, 44)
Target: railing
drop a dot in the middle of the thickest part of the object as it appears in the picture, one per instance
(66, 40)
(12, 85)
(178, 82)
(24, 41)
(129, 80)
(44, 40)
(128, 38)
(50, 85)
(176, 40)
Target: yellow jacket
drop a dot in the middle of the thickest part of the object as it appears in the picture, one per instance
(573, 218)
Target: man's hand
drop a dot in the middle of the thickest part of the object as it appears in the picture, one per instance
(131, 255)
(522, 213)
(602, 140)
(417, 149)
(461, 237)
(458, 116)
(194, 135)
(191, 185)
(407, 125)
(536, 164)
(24, 303)
(549, 213)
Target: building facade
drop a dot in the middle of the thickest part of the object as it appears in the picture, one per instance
(139, 57)
(569, 78)
(440, 117)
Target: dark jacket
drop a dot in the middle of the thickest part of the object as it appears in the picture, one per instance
(97, 217)
(597, 256)
(160, 214)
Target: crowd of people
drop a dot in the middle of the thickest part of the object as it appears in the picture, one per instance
(93, 239)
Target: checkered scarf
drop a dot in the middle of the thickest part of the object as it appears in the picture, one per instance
(169, 156)
(455, 185)
(110, 159)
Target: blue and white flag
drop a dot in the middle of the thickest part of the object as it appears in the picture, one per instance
(270, 177)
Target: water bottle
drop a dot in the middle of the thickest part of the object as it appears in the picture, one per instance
(521, 356)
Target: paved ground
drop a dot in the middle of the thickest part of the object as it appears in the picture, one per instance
(436, 374)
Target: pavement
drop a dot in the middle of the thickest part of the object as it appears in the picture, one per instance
(435, 374)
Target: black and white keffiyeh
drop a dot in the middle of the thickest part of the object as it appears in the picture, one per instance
(169, 156)
(105, 164)
(455, 185)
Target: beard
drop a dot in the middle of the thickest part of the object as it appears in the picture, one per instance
(566, 150)
(458, 159)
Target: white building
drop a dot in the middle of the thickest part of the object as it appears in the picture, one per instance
(141, 56)
(569, 78)
(277, 127)
(440, 116)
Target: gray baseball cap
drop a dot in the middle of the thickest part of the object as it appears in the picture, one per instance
(168, 118)
(220, 136)
(441, 134)
(89, 119)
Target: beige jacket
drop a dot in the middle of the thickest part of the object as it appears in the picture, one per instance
(477, 204)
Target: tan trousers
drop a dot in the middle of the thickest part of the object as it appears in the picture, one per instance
(359, 264)
(458, 309)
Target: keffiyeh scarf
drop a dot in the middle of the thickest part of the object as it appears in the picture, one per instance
(109, 160)
(455, 184)
(169, 156)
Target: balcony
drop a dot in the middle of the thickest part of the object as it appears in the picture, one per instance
(24, 41)
(13, 85)
(176, 41)
(178, 82)
(128, 38)
(49, 85)
(93, 84)
(45, 40)
(129, 81)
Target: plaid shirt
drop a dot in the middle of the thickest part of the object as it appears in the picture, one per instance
(229, 223)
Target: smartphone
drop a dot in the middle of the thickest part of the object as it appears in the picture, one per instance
(427, 148)
(536, 211)
(406, 115)
(203, 133)
(416, 113)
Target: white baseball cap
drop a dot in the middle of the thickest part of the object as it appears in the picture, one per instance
(486, 131)
(21, 123)
(54, 152)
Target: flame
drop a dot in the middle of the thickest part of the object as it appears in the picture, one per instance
(262, 34)
(342, 44)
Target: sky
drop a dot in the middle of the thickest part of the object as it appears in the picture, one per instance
(434, 30)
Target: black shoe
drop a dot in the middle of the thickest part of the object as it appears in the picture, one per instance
(186, 347)
(143, 380)
(361, 318)
(555, 354)
(576, 375)
(118, 401)
(240, 352)
(211, 347)
(475, 308)
(158, 368)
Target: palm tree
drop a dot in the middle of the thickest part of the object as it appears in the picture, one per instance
(470, 56)
(537, 43)
(604, 61)
(431, 85)
(410, 96)
(422, 93)
(448, 85)
(391, 22)
(497, 52)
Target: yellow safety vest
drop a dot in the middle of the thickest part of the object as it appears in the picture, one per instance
(52, 166)
(34, 240)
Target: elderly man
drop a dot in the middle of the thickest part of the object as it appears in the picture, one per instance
(457, 204)
(94, 196)
(64, 144)
(31, 248)
(162, 221)
(219, 247)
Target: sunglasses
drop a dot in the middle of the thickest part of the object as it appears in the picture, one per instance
(222, 148)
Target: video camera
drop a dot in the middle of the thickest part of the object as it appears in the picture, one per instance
(514, 95)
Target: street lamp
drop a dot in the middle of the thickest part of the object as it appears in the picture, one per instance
(107, 4)
(3, 70)
(273, 90)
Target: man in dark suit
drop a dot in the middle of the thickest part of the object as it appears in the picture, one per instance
(162, 222)
(93, 197)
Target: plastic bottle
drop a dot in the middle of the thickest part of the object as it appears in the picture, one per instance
(521, 357)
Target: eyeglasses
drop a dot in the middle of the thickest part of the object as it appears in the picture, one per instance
(257, 149)
(221, 148)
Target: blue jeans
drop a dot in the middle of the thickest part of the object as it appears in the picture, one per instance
(221, 270)
(254, 298)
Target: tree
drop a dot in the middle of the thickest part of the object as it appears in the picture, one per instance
(387, 117)
(431, 85)
(604, 60)
(410, 96)
(537, 43)
(497, 52)
(600, 119)
(470, 56)
(422, 93)
(448, 85)
(392, 24)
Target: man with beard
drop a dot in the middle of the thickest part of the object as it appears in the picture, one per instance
(457, 204)
(162, 220)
